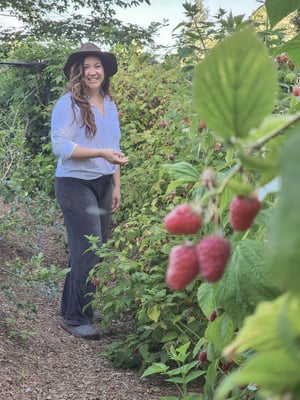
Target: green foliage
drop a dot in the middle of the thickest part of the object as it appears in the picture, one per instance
(239, 83)
(272, 333)
(285, 240)
(21, 279)
(237, 292)
(234, 91)
(183, 374)
(277, 9)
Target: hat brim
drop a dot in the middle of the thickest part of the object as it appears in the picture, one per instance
(108, 60)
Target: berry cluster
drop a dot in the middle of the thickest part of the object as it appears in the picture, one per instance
(186, 261)
(283, 60)
(210, 255)
(287, 72)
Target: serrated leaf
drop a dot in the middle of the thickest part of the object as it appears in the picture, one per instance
(206, 299)
(245, 282)
(284, 257)
(278, 9)
(220, 332)
(153, 313)
(274, 377)
(275, 372)
(234, 88)
(259, 331)
(156, 368)
(182, 171)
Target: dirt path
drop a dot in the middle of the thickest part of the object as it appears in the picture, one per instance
(52, 365)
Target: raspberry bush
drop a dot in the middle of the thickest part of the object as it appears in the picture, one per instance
(236, 153)
(199, 138)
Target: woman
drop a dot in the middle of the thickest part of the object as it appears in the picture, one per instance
(85, 137)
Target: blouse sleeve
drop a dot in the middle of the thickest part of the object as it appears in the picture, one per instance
(63, 126)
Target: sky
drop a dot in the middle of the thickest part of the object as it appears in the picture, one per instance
(173, 11)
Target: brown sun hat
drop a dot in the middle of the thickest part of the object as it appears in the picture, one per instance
(90, 49)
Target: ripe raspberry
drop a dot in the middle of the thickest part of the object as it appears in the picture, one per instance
(213, 253)
(183, 219)
(296, 91)
(242, 212)
(182, 267)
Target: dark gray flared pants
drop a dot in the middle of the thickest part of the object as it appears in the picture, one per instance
(86, 206)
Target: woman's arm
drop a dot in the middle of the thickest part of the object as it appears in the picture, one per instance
(116, 194)
(112, 156)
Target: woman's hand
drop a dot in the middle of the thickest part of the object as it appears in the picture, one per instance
(116, 199)
(114, 156)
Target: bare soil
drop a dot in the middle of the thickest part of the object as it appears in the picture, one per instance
(51, 364)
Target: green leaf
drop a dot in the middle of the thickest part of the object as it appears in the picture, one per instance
(156, 368)
(284, 257)
(278, 9)
(274, 372)
(210, 379)
(234, 88)
(269, 126)
(182, 171)
(194, 375)
(206, 299)
(239, 187)
(267, 165)
(220, 332)
(184, 369)
(259, 331)
(154, 313)
(291, 48)
(245, 282)
(176, 379)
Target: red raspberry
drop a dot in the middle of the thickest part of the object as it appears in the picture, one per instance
(182, 267)
(296, 91)
(213, 253)
(242, 212)
(283, 58)
(183, 220)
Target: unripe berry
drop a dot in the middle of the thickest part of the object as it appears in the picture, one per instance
(202, 356)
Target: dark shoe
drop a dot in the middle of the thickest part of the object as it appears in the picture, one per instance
(81, 331)
(97, 316)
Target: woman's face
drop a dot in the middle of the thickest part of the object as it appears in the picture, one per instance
(93, 73)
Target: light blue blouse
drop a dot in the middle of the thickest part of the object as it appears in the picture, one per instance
(67, 133)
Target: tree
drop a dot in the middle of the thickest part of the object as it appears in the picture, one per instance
(73, 20)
